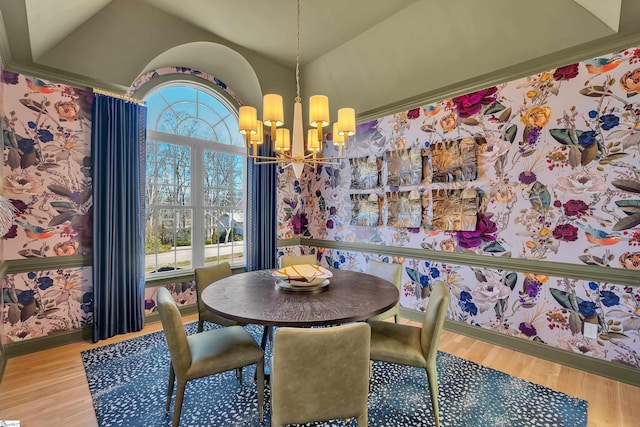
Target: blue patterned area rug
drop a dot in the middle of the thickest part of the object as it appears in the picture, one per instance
(128, 383)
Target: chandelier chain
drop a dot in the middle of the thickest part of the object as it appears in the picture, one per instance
(298, 99)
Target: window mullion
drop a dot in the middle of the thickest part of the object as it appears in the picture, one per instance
(197, 197)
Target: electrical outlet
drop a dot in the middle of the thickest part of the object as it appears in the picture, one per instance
(590, 330)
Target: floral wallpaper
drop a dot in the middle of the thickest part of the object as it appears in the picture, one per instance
(558, 179)
(40, 303)
(47, 167)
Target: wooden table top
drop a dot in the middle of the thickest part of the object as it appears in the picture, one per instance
(253, 297)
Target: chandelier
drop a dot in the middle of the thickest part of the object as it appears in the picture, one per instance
(289, 148)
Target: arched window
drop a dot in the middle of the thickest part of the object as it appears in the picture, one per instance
(195, 189)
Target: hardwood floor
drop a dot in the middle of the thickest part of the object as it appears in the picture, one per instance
(49, 388)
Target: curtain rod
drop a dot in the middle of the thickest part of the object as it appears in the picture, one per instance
(117, 95)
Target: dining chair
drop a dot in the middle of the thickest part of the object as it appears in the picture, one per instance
(288, 260)
(205, 276)
(415, 346)
(320, 374)
(205, 353)
(391, 272)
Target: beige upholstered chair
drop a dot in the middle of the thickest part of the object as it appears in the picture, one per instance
(415, 346)
(392, 273)
(206, 353)
(288, 260)
(204, 277)
(320, 374)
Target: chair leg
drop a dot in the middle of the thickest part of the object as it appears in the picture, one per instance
(200, 325)
(177, 408)
(172, 378)
(432, 376)
(239, 375)
(396, 317)
(260, 386)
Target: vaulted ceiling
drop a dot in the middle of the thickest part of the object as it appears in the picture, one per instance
(378, 56)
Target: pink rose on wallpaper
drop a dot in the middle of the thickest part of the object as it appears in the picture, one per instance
(470, 104)
(566, 233)
(299, 223)
(566, 73)
(488, 293)
(490, 152)
(413, 113)
(580, 182)
(484, 232)
(575, 208)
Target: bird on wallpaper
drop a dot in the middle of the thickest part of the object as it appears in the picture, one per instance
(602, 65)
(35, 231)
(599, 237)
(40, 86)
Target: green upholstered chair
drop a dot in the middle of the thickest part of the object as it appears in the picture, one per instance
(320, 374)
(415, 346)
(392, 273)
(288, 260)
(204, 277)
(206, 353)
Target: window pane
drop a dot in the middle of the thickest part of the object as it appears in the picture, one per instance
(224, 236)
(195, 128)
(168, 174)
(168, 240)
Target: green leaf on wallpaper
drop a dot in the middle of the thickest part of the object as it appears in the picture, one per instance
(413, 274)
(511, 279)
(494, 247)
(59, 190)
(627, 223)
(85, 195)
(11, 295)
(13, 158)
(588, 154)
(329, 260)
(565, 136)
(33, 105)
(61, 219)
(627, 185)
(63, 206)
(494, 108)
(595, 91)
(480, 277)
(470, 121)
(612, 157)
(564, 299)
(28, 159)
(505, 115)
(511, 133)
(629, 207)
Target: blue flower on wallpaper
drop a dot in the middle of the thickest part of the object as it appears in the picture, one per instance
(87, 302)
(31, 124)
(26, 145)
(424, 280)
(44, 135)
(31, 275)
(25, 297)
(609, 298)
(587, 139)
(466, 304)
(593, 114)
(587, 308)
(609, 121)
(44, 282)
(435, 273)
(593, 286)
(9, 77)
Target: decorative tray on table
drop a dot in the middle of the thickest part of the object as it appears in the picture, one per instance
(302, 278)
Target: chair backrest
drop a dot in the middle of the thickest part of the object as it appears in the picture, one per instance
(206, 276)
(320, 374)
(174, 332)
(386, 270)
(433, 320)
(288, 260)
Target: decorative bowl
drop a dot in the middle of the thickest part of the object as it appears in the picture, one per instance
(303, 275)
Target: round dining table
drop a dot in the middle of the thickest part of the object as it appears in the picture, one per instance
(253, 297)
